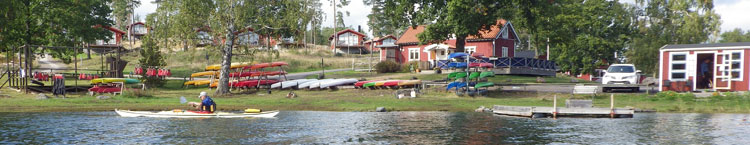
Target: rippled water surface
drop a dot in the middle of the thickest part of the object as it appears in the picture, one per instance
(303, 127)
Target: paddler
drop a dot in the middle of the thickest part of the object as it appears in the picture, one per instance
(206, 104)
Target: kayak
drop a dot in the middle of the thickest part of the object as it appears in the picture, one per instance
(391, 83)
(198, 82)
(409, 82)
(474, 75)
(205, 73)
(177, 113)
(460, 75)
(381, 83)
(453, 75)
(112, 80)
(233, 66)
(374, 84)
(258, 66)
(289, 82)
(455, 85)
(295, 83)
(483, 65)
(487, 74)
(484, 84)
(277, 64)
(361, 83)
(337, 82)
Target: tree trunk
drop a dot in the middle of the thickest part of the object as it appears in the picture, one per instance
(184, 45)
(226, 63)
(460, 43)
(88, 53)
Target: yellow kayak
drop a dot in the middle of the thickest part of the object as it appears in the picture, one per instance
(409, 82)
(205, 73)
(381, 83)
(197, 82)
(233, 66)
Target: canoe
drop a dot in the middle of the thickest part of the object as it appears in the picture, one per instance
(199, 82)
(216, 67)
(391, 83)
(381, 83)
(112, 80)
(278, 85)
(177, 113)
(360, 83)
(373, 84)
(338, 82)
(474, 75)
(205, 73)
(487, 74)
(484, 84)
(308, 84)
(296, 83)
(409, 82)
(317, 84)
(461, 75)
(483, 65)
(455, 85)
(277, 64)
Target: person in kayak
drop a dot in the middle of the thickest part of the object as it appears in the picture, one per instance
(206, 104)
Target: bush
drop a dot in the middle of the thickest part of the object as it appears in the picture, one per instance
(409, 67)
(673, 96)
(388, 66)
(137, 93)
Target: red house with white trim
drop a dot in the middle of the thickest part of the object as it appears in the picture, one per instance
(138, 29)
(113, 41)
(348, 41)
(499, 41)
(681, 67)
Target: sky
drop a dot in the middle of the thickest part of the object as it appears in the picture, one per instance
(733, 13)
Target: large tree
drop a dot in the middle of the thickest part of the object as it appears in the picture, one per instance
(662, 22)
(380, 23)
(122, 11)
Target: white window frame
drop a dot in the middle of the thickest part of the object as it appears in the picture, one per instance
(505, 34)
(505, 51)
(413, 50)
(470, 49)
(742, 57)
(683, 62)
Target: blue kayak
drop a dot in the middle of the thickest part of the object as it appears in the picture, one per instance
(456, 85)
(457, 65)
(457, 54)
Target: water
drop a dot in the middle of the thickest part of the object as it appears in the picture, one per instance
(306, 127)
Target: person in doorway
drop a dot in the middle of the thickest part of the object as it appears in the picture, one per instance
(705, 73)
(207, 104)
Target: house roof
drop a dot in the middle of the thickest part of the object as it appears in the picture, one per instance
(113, 29)
(344, 31)
(378, 39)
(410, 35)
(688, 46)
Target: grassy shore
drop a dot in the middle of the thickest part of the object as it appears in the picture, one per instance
(433, 99)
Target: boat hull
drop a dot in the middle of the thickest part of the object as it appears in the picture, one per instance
(190, 114)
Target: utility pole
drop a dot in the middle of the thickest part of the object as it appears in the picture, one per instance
(335, 38)
(547, 48)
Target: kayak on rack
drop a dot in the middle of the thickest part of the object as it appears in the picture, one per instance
(178, 113)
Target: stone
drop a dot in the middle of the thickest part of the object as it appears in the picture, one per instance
(380, 109)
(103, 97)
(41, 96)
(480, 109)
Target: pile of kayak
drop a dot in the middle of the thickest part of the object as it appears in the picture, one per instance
(384, 84)
(242, 75)
(472, 79)
(313, 83)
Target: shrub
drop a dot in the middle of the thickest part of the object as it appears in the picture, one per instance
(388, 66)
(673, 96)
(411, 66)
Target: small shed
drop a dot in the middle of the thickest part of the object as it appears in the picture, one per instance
(697, 67)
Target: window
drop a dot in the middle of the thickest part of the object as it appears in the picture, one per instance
(677, 66)
(389, 41)
(505, 52)
(413, 54)
(736, 65)
(348, 39)
(470, 49)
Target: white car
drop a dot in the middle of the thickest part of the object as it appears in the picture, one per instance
(621, 74)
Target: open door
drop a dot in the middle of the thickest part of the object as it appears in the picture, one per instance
(722, 71)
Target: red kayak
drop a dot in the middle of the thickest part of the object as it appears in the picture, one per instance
(268, 73)
(253, 83)
(484, 65)
(391, 83)
(360, 83)
(277, 64)
(104, 89)
(258, 66)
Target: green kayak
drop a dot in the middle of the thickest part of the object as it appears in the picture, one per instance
(487, 74)
(474, 75)
(132, 81)
(370, 84)
(484, 84)
(453, 75)
(460, 75)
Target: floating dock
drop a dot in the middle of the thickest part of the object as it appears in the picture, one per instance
(554, 112)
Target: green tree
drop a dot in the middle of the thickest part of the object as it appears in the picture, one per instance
(662, 22)
(736, 35)
(380, 23)
(151, 56)
(122, 11)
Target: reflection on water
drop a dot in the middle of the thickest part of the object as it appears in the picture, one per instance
(291, 127)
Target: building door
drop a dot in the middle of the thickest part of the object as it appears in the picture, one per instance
(722, 71)
(390, 54)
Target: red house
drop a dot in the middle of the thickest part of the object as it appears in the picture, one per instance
(371, 45)
(113, 41)
(499, 41)
(348, 41)
(681, 67)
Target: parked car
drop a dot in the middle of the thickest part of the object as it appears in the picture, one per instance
(621, 76)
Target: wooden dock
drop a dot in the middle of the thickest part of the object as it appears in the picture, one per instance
(554, 112)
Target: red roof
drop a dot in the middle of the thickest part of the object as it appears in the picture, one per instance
(344, 31)
(378, 39)
(410, 35)
(113, 29)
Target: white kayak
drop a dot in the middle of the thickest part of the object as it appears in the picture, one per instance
(297, 83)
(289, 83)
(311, 83)
(337, 82)
(193, 114)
